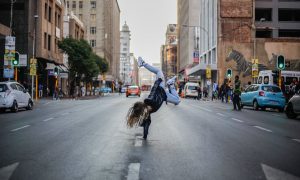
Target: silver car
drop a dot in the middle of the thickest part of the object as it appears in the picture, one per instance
(14, 96)
(293, 107)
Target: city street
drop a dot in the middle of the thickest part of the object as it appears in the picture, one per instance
(88, 139)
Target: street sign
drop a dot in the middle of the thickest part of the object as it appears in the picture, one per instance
(8, 73)
(23, 60)
(208, 72)
(196, 57)
(254, 68)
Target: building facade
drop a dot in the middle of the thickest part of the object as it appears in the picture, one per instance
(37, 35)
(188, 35)
(102, 23)
(246, 30)
(169, 52)
(125, 65)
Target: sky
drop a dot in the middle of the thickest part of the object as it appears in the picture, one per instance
(147, 21)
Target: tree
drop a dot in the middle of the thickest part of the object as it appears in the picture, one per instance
(82, 61)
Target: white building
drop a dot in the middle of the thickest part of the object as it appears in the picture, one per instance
(125, 63)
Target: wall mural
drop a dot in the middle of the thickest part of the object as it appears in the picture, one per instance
(242, 65)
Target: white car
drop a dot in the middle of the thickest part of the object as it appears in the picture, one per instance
(191, 90)
(14, 96)
(293, 108)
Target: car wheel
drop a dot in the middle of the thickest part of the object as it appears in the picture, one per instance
(30, 105)
(290, 112)
(14, 107)
(242, 105)
(263, 108)
(281, 109)
(255, 105)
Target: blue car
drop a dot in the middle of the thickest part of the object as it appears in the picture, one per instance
(263, 96)
(105, 90)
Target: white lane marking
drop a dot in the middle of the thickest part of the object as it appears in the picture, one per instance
(220, 114)
(276, 174)
(261, 128)
(208, 110)
(297, 140)
(7, 171)
(48, 102)
(63, 114)
(237, 120)
(133, 171)
(19, 128)
(138, 141)
(276, 115)
(45, 120)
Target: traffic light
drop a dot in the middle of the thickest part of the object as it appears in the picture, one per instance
(280, 62)
(15, 62)
(56, 71)
(275, 74)
(229, 73)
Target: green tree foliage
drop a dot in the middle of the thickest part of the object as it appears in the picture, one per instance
(82, 60)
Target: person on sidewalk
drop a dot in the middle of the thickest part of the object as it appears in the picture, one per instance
(40, 90)
(140, 112)
(236, 94)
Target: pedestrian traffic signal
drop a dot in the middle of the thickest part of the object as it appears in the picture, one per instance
(15, 62)
(56, 71)
(280, 62)
(229, 73)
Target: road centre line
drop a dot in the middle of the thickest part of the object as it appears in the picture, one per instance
(261, 128)
(45, 120)
(275, 115)
(19, 128)
(220, 114)
(63, 114)
(133, 171)
(237, 120)
(297, 140)
(208, 110)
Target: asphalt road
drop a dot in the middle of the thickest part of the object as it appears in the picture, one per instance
(88, 139)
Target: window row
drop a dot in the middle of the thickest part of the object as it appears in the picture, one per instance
(48, 15)
(265, 14)
(281, 33)
(80, 4)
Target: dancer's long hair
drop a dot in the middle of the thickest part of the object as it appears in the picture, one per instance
(136, 114)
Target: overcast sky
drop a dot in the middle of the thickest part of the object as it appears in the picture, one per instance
(147, 21)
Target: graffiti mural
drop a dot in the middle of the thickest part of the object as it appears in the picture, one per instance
(242, 65)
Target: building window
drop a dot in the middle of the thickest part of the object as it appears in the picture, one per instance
(46, 9)
(263, 14)
(124, 44)
(58, 20)
(68, 4)
(124, 49)
(74, 5)
(49, 14)
(45, 40)
(263, 34)
(93, 30)
(49, 42)
(80, 4)
(80, 17)
(289, 32)
(93, 4)
(289, 14)
(93, 17)
(93, 43)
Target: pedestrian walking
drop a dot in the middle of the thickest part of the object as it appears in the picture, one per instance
(120, 90)
(236, 94)
(214, 91)
(140, 112)
(199, 93)
(40, 90)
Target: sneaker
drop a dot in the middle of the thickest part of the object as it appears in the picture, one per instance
(171, 81)
(140, 62)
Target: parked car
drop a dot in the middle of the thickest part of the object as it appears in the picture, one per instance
(105, 90)
(191, 90)
(133, 91)
(263, 96)
(293, 107)
(14, 96)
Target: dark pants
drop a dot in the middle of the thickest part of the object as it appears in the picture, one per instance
(146, 125)
(236, 101)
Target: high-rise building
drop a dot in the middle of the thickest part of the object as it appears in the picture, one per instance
(169, 52)
(102, 23)
(188, 35)
(125, 65)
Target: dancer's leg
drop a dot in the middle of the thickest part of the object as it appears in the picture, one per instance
(158, 72)
(172, 95)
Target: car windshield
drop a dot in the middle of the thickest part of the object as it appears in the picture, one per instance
(3, 87)
(132, 88)
(271, 89)
(192, 87)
